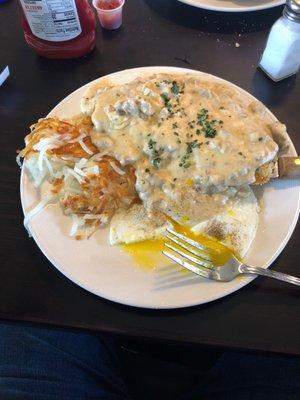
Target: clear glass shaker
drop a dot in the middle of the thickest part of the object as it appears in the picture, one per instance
(281, 57)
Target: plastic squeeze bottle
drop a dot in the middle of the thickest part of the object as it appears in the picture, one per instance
(59, 28)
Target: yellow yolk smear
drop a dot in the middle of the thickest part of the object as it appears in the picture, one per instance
(217, 251)
(148, 253)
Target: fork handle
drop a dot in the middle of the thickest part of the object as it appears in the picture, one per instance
(245, 269)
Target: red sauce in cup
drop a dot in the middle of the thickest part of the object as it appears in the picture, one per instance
(109, 13)
(108, 5)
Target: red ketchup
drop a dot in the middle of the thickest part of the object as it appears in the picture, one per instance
(108, 5)
(59, 28)
(109, 13)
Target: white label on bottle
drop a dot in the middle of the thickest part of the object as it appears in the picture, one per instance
(53, 20)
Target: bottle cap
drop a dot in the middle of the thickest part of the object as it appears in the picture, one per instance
(292, 10)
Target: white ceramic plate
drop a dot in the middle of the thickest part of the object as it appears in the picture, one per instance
(234, 5)
(110, 273)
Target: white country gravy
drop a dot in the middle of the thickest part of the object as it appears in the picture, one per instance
(195, 144)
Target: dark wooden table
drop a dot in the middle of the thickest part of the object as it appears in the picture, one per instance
(263, 316)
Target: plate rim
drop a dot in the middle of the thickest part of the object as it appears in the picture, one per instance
(261, 7)
(245, 281)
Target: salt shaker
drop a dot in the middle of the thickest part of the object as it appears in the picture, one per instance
(281, 57)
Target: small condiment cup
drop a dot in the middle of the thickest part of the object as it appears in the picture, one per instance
(109, 19)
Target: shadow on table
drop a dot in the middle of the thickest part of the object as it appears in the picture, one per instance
(269, 92)
(173, 276)
(212, 21)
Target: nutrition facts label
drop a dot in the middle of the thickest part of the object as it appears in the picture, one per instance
(53, 20)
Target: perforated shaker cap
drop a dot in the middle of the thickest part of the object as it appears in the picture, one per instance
(292, 10)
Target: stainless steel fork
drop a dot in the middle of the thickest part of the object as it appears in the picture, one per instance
(196, 258)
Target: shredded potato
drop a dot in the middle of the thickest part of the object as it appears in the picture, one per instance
(62, 132)
(103, 193)
(89, 185)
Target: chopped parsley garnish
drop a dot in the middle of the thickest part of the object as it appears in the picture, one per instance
(175, 88)
(202, 116)
(151, 144)
(167, 103)
(192, 145)
(165, 98)
(155, 154)
(260, 139)
(175, 125)
(176, 133)
(169, 108)
(156, 162)
(210, 131)
(147, 170)
(184, 161)
(159, 124)
(206, 124)
(198, 132)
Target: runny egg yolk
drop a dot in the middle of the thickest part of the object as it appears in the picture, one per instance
(148, 253)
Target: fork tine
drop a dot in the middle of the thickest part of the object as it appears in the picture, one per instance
(199, 253)
(206, 273)
(195, 260)
(188, 240)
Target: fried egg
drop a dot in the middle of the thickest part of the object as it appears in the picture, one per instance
(136, 225)
(142, 234)
(236, 227)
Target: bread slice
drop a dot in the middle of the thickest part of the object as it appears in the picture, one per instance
(266, 172)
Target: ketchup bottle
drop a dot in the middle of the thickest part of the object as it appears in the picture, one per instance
(59, 28)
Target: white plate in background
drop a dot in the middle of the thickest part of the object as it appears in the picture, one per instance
(234, 5)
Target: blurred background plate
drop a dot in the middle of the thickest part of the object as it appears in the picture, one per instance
(234, 5)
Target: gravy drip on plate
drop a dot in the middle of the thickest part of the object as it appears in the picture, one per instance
(195, 144)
